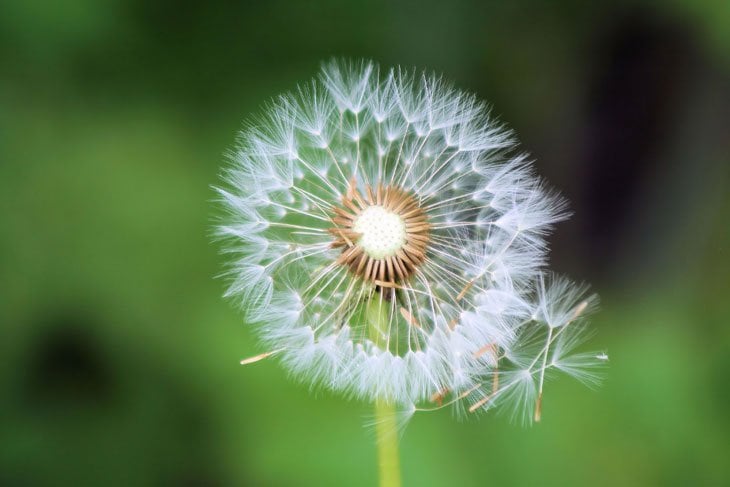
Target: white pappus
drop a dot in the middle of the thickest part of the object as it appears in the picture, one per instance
(388, 242)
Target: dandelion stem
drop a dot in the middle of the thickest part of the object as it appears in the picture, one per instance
(376, 315)
(388, 461)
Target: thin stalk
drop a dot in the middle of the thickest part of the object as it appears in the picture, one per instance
(376, 314)
(538, 406)
(387, 444)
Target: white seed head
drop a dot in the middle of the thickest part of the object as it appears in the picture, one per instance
(393, 194)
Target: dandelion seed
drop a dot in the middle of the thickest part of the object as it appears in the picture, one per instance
(258, 358)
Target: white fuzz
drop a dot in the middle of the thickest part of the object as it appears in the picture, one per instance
(476, 323)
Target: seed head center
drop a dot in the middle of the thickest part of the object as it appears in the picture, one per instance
(383, 232)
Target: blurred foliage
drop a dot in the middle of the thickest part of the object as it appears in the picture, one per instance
(120, 360)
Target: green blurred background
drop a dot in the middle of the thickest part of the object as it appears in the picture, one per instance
(118, 357)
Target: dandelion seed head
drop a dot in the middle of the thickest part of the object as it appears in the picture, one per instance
(392, 193)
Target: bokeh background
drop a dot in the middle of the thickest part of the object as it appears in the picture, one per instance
(118, 356)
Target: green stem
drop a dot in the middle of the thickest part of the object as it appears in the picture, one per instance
(376, 314)
(387, 441)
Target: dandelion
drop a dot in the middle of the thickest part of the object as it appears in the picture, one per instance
(389, 244)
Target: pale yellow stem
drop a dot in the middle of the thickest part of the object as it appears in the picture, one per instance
(387, 438)
(386, 428)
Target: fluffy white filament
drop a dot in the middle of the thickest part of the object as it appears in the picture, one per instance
(480, 323)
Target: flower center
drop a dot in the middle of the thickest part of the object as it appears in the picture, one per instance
(383, 232)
